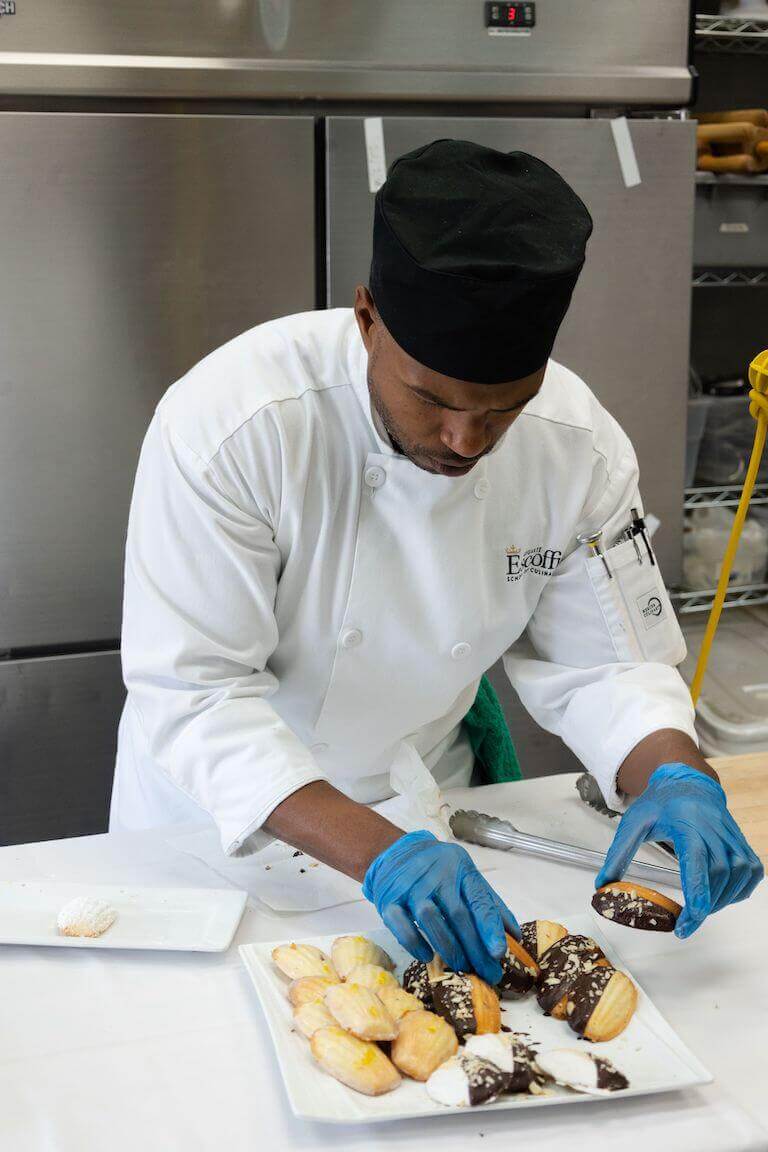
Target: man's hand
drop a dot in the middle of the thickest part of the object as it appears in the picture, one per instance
(433, 899)
(682, 805)
(429, 894)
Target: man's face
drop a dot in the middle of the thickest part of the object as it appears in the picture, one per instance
(441, 424)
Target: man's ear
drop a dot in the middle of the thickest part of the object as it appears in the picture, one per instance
(365, 314)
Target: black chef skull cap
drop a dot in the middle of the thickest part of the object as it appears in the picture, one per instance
(475, 256)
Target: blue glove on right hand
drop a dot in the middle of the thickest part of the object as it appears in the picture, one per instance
(717, 865)
(422, 887)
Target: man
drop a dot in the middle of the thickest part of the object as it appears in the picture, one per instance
(341, 520)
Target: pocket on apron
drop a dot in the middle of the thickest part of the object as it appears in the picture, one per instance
(636, 606)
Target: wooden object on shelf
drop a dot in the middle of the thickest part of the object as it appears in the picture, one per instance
(727, 144)
(758, 116)
(745, 780)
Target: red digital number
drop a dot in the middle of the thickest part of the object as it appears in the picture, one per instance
(511, 14)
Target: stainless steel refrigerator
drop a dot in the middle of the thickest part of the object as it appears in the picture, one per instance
(130, 246)
(173, 173)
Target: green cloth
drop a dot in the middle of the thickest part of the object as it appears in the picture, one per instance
(490, 739)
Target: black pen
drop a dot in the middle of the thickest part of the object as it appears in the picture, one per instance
(638, 528)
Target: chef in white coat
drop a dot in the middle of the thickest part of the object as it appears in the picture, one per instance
(342, 519)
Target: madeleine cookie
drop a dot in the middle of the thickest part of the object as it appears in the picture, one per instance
(636, 907)
(349, 951)
(309, 1017)
(419, 979)
(372, 976)
(356, 1063)
(424, 1042)
(309, 989)
(560, 967)
(600, 1004)
(467, 1003)
(297, 960)
(465, 1080)
(85, 916)
(519, 971)
(582, 1071)
(398, 1002)
(511, 1054)
(538, 935)
(360, 1011)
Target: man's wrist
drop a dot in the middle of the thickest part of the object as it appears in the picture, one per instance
(666, 746)
(324, 823)
(406, 839)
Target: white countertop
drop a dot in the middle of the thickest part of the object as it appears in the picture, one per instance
(158, 1052)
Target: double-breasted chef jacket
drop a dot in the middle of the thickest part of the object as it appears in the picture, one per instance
(300, 598)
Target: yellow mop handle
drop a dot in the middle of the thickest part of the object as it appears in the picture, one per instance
(758, 409)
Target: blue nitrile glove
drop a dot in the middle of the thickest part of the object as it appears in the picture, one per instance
(717, 865)
(424, 888)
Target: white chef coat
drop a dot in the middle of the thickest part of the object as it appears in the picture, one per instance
(300, 598)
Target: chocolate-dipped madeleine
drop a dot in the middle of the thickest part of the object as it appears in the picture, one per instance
(419, 979)
(538, 935)
(600, 1004)
(560, 967)
(519, 971)
(467, 1003)
(636, 907)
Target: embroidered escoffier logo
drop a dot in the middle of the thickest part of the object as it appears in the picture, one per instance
(541, 561)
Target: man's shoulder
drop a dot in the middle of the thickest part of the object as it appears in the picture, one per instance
(280, 360)
(566, 402)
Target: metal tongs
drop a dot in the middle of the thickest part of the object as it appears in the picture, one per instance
(490, 832)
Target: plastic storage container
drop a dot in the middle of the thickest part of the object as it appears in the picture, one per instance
(705, 538)
(726, 445)
(698, 406)
(732, 713)
(731, 224)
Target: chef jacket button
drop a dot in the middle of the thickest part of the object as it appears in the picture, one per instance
(460, 651)
(351, 638)
(375, 477)
(482, 488)
(318, 748)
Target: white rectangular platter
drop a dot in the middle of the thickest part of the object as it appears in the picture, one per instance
(648, 1052)
(168, 919)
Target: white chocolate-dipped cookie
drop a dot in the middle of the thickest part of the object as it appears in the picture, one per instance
(511, 1054)
(575, 1068)
(465, 1080)
(85, 916)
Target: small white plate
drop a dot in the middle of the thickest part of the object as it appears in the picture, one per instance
(169, 919)
(649, 1053)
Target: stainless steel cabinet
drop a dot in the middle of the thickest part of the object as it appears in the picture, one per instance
(130, 246)
(58, 730)
(590, 52)
(628, 328)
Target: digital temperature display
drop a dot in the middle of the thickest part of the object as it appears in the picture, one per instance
(510, 15)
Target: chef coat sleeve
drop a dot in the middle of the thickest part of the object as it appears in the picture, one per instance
(565, 668)
(198, 631)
